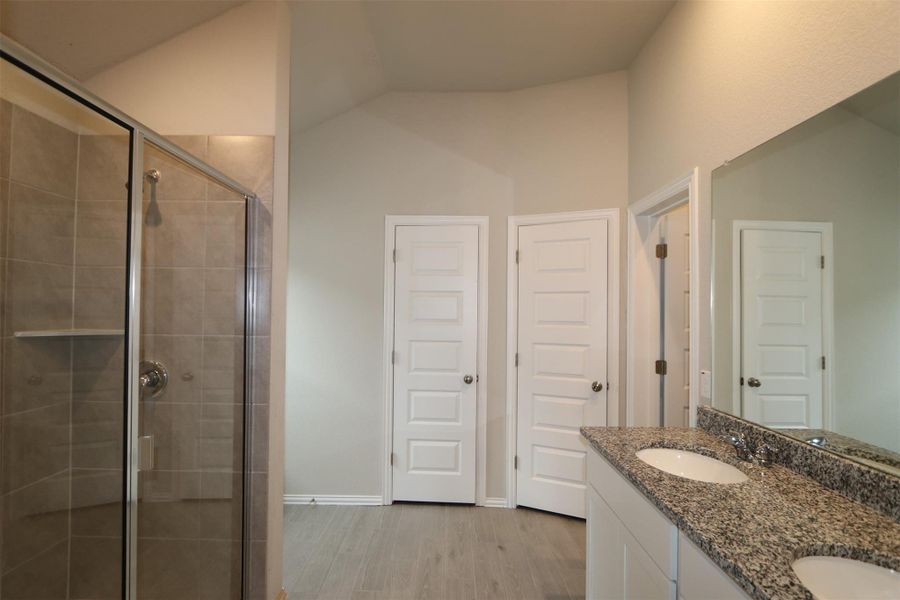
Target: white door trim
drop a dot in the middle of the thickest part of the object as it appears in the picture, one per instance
(685, 190)
(826, 230)
(611, 215)
(390, 223)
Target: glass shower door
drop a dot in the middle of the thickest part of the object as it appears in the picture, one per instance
(191, 417)
(63, 281)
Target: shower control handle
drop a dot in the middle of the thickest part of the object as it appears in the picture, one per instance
(153, 378)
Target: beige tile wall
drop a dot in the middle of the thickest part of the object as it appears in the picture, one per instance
(98, 368)
(38, 178)
(193, 321)
(63, 226)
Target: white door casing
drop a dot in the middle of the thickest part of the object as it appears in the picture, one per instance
(642, 399)
(562, 350)
(677, 303)
(781, 321)
(435, 348)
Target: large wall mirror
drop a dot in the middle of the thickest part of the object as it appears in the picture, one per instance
(806, 280)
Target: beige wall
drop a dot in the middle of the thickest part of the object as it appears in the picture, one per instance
(718, 78)
(841, 169)
(218, 78)
(548, 149)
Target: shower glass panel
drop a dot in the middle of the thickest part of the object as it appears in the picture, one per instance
(64, 171)
(191, 416)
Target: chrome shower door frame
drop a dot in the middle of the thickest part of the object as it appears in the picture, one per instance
(141, 134)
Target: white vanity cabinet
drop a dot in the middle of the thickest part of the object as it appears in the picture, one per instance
(700, 579)
(635, 553)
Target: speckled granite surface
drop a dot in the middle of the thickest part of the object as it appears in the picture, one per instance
(845, 445)
(873, 487)
(755, 529)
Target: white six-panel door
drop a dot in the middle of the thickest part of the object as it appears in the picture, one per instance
(562, 351)
(781, 322)
(435, 341)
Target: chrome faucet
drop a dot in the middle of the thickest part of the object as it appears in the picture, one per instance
(741, 446)
(765, 455)
(762, 454)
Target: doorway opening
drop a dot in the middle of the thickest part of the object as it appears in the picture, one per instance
(662, 336)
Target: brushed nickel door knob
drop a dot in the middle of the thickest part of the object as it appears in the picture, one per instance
(597, 386)
(754, 382)
(468, 379)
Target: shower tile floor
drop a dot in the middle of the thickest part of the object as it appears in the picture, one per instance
(432, 551)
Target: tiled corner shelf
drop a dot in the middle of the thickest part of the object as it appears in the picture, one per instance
(68, 333)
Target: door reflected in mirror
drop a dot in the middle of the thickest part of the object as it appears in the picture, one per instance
(806, 280)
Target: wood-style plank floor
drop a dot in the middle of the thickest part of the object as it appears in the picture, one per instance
(431, 552)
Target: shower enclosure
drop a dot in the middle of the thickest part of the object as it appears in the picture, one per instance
(127, 296)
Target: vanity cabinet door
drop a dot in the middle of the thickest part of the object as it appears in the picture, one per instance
(700, 579)
(642, 578)
(656, 534)
(604, 551)
(618, 567)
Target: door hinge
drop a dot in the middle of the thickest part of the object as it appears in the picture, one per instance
(393, 357)
(517, 359)
(662, 250)
(393, 458)
(394, 255)
(742, 381)
(517, 257)
(516, 462)
(822, 262)
(660, 367)
(823, 363)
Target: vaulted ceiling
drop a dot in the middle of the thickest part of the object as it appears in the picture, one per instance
(348, 52)
(85, 37)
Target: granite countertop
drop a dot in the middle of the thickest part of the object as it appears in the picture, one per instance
(752, 530)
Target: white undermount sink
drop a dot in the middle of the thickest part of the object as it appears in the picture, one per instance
(835, 578)
(691, 465)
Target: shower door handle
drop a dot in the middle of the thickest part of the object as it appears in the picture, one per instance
(145, 453)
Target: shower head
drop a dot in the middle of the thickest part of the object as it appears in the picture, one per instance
(153, 216)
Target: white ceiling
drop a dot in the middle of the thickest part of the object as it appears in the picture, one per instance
(348, 52)
(495, 46)
(85, 37)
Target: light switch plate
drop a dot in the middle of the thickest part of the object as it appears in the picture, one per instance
(706, 385)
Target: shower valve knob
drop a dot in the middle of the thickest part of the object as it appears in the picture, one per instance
(153, 378)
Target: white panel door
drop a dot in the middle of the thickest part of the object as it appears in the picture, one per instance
(677, 310)
(435, 331)
(781, 322)
(562, 337)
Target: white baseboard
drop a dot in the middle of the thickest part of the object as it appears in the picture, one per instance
(495, 502)
(333, 500)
